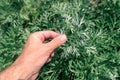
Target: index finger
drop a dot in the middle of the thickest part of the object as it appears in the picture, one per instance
(43, 35)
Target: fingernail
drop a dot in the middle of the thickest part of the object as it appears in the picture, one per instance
(63, 38)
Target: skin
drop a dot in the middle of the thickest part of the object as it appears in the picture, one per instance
(33, 56)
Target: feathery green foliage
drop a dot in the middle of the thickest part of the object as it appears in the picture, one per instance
(92, 51)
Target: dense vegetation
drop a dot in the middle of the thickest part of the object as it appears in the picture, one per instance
(92, 51)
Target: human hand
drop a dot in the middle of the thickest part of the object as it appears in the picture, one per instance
(35, 54)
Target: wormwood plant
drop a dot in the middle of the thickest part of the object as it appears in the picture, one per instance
(92, 51)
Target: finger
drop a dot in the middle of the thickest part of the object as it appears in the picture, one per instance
(56, 42)
(52, 55)
(49, 60)
(42, 36)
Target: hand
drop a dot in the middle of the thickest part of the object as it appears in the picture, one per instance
(34, 55)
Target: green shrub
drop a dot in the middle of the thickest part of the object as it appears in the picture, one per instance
(92, 51)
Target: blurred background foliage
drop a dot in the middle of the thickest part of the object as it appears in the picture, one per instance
(92, 51)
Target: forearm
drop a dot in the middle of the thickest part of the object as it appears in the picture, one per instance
(11, 73)
(17, 73)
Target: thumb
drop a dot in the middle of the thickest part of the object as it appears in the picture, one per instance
(56, 42)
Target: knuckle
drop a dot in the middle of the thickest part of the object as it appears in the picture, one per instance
(48, 48)
(31, 35)
(56, 43)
